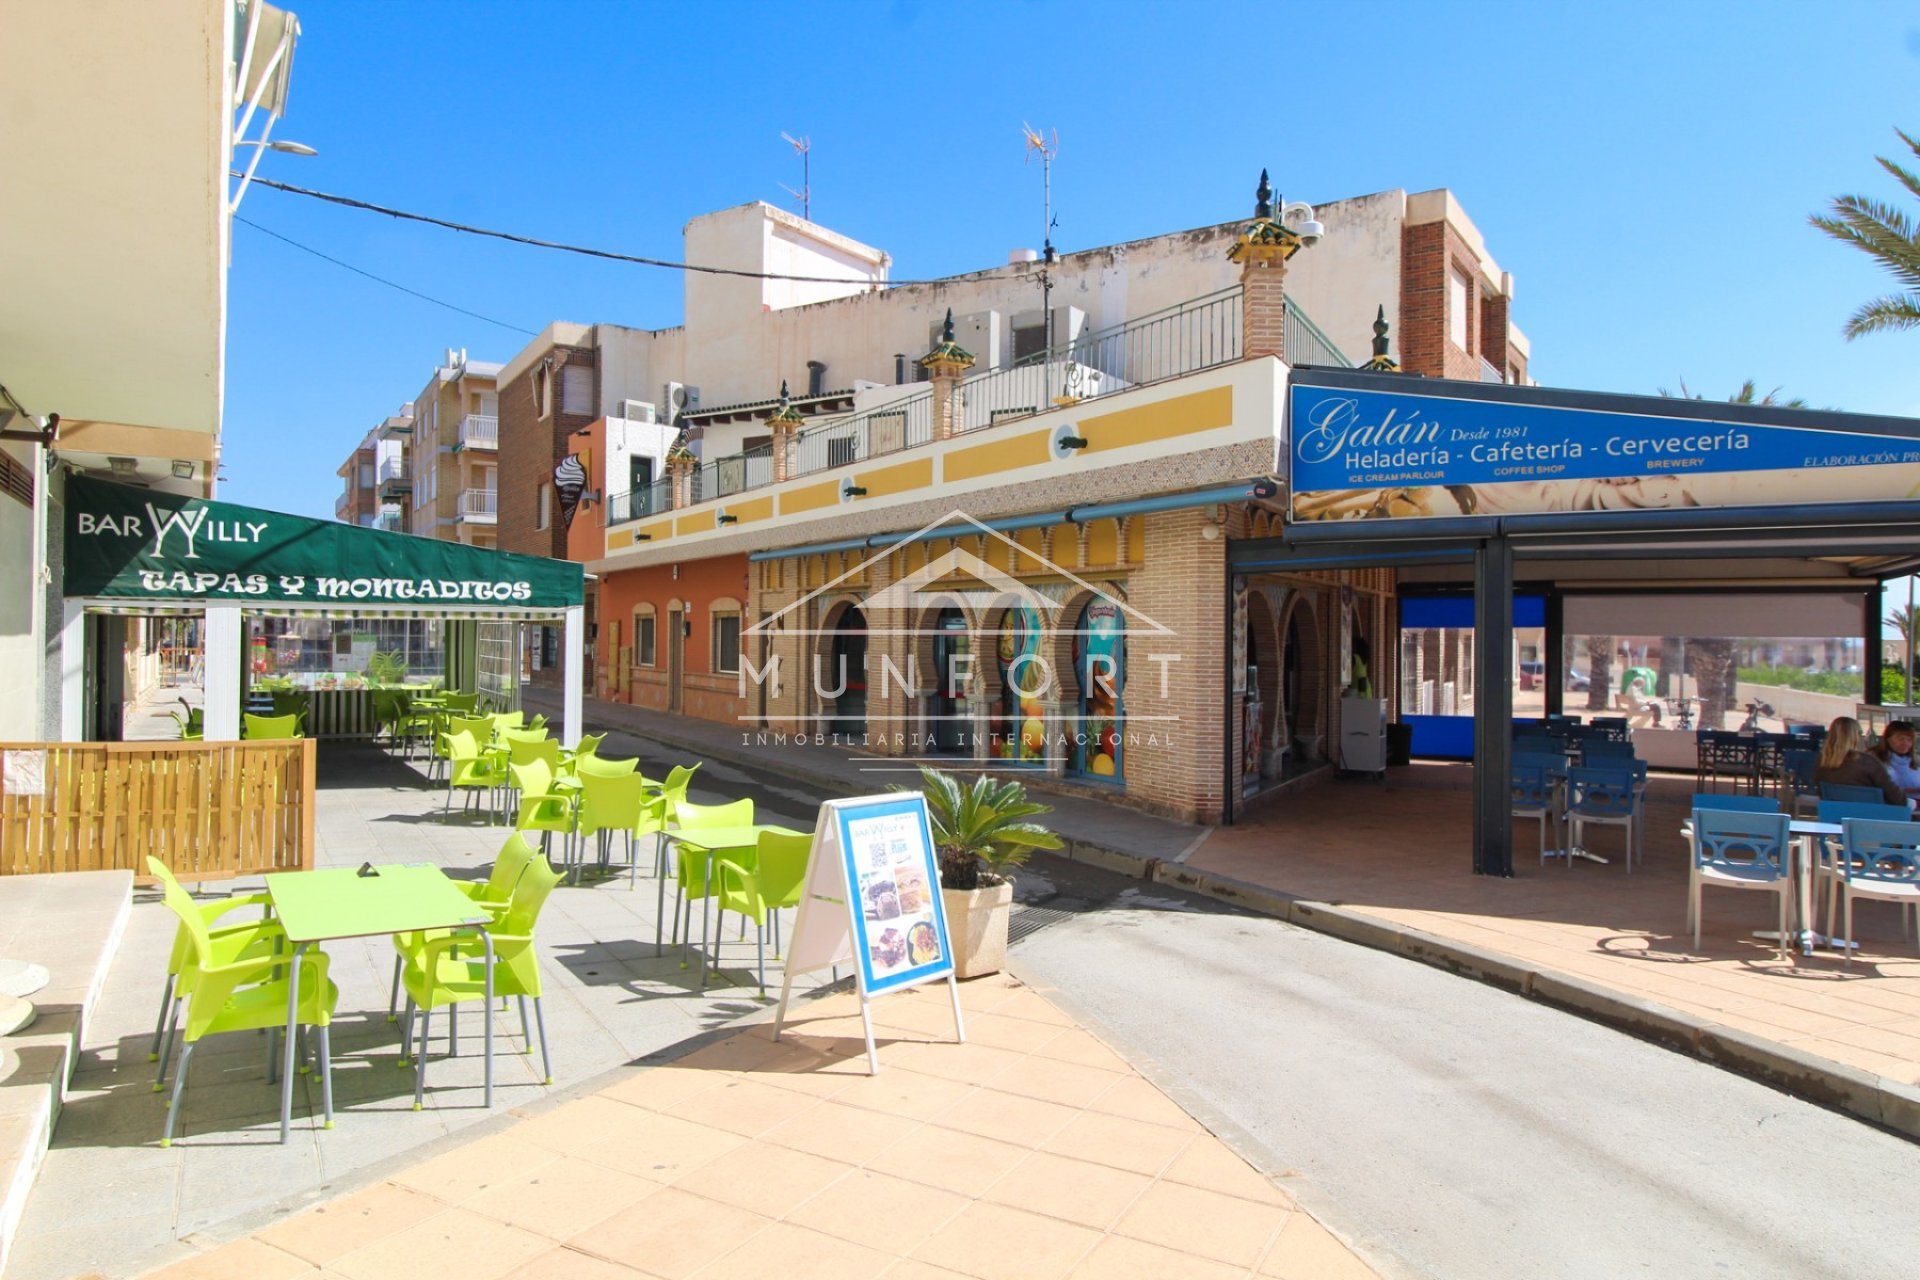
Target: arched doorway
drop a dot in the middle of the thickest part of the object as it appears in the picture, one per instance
(1021, 680)
(1302, 675)
(1262, 708)
(1100, 671)
(951, 731)
(843, 686)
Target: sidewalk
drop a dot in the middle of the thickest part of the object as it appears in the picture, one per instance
(1030, 1152)
(1386, 866)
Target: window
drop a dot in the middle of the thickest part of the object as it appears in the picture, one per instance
(366, 475)
(1459, 300)
(726, 642)
(576, 389)
(643, 637)
(543, 517)
(543, 389)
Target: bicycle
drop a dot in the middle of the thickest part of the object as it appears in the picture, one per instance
(1754, 711)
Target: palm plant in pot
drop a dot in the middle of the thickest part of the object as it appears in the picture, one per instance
(981, 833)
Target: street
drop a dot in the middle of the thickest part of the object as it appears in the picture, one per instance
(1465, 1131)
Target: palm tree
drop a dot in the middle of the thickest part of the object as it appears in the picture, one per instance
(1749, 393)
(1891, 239)
(1903, 622)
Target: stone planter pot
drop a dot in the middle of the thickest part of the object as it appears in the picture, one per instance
(977, 927)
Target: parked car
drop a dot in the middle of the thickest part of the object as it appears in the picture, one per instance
(1532, 675)
(1576, 681)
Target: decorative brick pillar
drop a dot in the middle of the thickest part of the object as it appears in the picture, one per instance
(946, 364)
(680, 465)
(1262, 252)
(784, 426)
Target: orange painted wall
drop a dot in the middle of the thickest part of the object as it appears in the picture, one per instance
(587, 535)
(705, 693)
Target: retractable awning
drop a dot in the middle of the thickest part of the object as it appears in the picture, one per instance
(127, 546)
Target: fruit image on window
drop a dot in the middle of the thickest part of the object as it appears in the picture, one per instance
(1099, 664)
(1019, 722)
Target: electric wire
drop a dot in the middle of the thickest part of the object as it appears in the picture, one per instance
(326, 257)
(536, 242)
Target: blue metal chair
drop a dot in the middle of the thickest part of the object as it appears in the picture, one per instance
(1534, 795)
(1878, 860)
(1734, 849)
(1851, 794)
(1604, 797)
(1796, 773)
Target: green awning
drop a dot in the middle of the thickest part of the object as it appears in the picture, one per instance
(125, 543)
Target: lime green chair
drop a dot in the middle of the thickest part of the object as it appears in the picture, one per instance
(538, 722)
(584, 765)
(525, 750)
(589, 746)
(192, 725)
(248, 994)
(270, 728)
(230, 942)
(505, 720)
(691, 881)
(542, 807)
(621, 803)
(461, 702)
(758, 892)
(479, 728)
(492, 895)
(451, 969)
(471, 769)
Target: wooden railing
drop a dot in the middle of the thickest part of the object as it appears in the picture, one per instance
(209, 810)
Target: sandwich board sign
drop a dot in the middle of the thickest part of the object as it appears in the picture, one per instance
(872, 897)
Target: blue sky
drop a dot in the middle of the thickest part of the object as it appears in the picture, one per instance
(1645, 171)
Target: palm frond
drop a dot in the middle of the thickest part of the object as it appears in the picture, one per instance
(1895, 311)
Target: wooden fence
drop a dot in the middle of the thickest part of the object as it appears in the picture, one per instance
(209, 810)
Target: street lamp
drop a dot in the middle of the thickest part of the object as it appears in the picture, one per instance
(277, 144)
(260, 147)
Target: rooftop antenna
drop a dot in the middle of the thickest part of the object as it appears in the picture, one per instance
(1046, 148)
(804, 145)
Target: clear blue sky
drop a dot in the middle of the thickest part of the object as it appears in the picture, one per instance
(1645, 171)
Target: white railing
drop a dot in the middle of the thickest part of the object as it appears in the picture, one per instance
(479, 504)
(393, 469)
(480, 431)
(1489, 373)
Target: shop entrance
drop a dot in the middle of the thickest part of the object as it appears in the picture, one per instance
(847, 668)
(1098, 748)
(952, 731)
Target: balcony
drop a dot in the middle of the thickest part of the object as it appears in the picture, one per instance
(394, 477)
(654, 498)
(478, 431)
(391, 521)
(1488, 373)
(479, 506)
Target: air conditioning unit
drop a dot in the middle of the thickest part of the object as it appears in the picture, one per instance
(636, 411)
(679, 400)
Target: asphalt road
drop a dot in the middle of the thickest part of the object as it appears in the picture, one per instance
(1456, 1131)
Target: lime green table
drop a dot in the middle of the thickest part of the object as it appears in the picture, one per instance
(709, 841)
(323, 906)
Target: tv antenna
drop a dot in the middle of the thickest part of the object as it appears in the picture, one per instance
(1046, 148)
(804, 145)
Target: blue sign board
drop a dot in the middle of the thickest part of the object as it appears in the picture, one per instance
(1360, 452)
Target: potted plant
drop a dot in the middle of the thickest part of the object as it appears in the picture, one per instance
(981, 833)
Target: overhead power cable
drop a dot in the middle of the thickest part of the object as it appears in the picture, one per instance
(536, 242)
(380, 279)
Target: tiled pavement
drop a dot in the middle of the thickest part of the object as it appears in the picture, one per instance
(1032, 1151)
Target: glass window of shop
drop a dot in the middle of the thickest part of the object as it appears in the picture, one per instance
(339, 653)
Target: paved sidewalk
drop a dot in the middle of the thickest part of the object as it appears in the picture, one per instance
(1387, 865)
(1030, 1152)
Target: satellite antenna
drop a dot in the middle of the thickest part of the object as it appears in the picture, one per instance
(804, 145)
(1046, 148)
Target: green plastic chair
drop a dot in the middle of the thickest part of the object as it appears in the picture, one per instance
(470, 768)
(270, 728)
(246, 995)
(538, 722)
(479, 728)
(230, 942)
(584, 765)
(505, 720)
(542, 808)
(589, 746)
(461, 702)
(619, 803)
(451, 969)
(492, 895)
(691, 881)
(757, 892)
(192, 726)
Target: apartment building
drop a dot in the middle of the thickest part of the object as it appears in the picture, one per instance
(827, 547)
(376, 478)
(453, 453)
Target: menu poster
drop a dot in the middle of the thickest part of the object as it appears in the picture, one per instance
(872, 897)
(900, 924)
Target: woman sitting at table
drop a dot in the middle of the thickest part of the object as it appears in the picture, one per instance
(1896, 751)
(1843, 761)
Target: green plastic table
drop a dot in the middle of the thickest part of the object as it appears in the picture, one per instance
(711, 841)
(323, 906)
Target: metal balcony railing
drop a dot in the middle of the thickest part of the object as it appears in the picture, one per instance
(391, 521)
(479, 431)
(1489, 372)
(479, 504)
(394, 471)
(645, 501)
